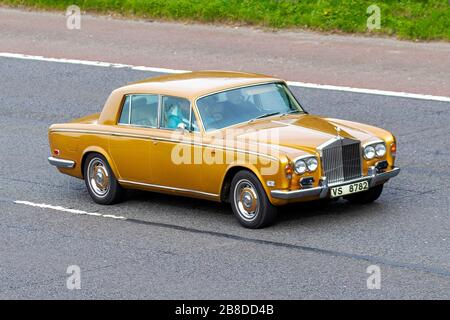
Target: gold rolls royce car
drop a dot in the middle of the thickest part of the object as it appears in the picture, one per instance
(223, 136)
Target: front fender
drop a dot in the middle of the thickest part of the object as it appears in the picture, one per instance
(278, 178)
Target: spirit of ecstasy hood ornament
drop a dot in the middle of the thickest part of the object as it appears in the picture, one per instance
(338, 131)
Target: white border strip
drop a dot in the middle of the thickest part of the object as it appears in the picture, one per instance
(74, 211)
(291, 83)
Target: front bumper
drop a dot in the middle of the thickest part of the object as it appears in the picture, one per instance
(322, 191)
(61, 163)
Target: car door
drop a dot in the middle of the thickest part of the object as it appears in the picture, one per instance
(176, 155)
(130, 143)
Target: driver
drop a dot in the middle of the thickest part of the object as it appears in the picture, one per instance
(236, 102)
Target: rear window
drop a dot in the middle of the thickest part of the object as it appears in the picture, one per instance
(140, 110)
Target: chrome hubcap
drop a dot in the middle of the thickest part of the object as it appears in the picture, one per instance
(98, 177)
(246, 200)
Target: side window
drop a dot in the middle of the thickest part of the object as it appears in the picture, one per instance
(125, 116)
(174, 112)
(140, 110)
(144, 110)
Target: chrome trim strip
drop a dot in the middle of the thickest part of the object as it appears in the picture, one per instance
(190, 119)
(296, 194)
(306, 156)
(322, 191)
(383, 176)
(136, 126)
(159, 111)
(333, 140)
(131, 135)
(129, 109)
(169, 188)
(61, 163)
(328, 142)
(377, 141)
(81, 131)
(342, 183)
(238, 150)
(167, 140)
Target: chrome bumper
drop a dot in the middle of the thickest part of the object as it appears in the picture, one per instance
(322, 191)
(61, 163)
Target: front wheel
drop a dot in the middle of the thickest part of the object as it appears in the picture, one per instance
(366, 196)
(100, 181)
(250, 203)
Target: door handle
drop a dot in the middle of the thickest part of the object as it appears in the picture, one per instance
(155, 142)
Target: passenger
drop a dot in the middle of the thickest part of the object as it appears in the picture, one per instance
(177, 112)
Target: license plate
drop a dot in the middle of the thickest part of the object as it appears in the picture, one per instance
(349, 189)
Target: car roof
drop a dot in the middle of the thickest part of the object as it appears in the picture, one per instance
(191, 85)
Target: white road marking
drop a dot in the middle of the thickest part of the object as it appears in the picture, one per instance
(291, 83)
(74, 211)
(370, 91)
(89, 63)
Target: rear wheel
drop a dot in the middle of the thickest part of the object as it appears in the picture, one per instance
(249, 201)
(366, 196)
(100, 181)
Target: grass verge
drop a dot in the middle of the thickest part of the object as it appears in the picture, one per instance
(405, 19)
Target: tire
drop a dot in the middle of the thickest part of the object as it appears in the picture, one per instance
(366, 196)
(249, 201)
(101, 183)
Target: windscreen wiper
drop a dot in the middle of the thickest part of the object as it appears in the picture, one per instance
(291, 112)
(265, 115)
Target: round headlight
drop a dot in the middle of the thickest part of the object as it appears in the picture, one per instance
(312, 164)
(369, 152)
(300, 166)
(380, 150)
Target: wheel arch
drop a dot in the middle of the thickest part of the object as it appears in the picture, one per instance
(101, 151)
(231, 171)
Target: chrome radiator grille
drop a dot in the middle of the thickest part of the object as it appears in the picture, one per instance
(341, 160)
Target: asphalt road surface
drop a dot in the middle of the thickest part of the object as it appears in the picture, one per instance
(180, 248)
